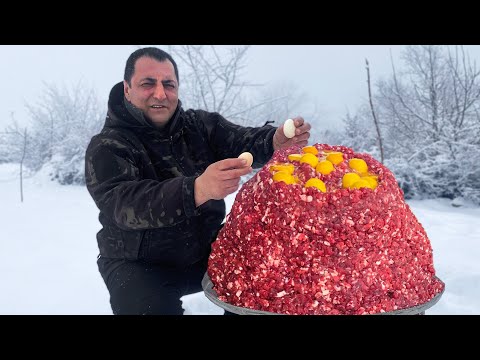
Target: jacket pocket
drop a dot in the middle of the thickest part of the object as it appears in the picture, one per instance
(111, 243)
(131, 243)
(171, 248)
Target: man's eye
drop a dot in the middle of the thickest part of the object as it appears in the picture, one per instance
(147, 85)
(170, 86)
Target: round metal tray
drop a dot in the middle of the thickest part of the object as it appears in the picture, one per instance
(213, 297)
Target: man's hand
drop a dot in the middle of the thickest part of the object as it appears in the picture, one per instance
(219, 180)
(302, 134)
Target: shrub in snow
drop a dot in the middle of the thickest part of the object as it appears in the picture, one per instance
(66, 171)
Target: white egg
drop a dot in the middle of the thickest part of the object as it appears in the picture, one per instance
(247, 156)
(289, 128)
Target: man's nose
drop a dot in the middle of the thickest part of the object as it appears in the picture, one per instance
(159, 92)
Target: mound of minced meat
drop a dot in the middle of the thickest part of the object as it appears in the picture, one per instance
(322, 230)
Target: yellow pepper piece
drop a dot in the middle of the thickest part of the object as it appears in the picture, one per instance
(316, 183)
(288, 168)
(283, 176)
(359, 165)
(361, 184)
(349, 179)
(372, 181)
(294, 157)
(325, 167)
(309, 159)
(310, 150)
(335, 157)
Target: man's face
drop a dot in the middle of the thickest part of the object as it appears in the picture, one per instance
(154, 89)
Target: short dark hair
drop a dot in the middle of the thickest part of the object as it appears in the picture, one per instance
(151, 52)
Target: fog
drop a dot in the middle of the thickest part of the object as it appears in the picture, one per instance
(332, 76)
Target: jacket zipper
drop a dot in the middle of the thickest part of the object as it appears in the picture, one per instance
(185, 173)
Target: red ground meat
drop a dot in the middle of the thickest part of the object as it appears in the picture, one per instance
(293, 250)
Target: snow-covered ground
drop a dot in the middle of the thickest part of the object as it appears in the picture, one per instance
(49, 251)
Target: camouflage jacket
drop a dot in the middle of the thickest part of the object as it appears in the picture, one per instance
(142, 180)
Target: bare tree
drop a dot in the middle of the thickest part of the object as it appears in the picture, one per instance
(375, 121)
(24, 140)
(212, 78)
(272, 103)
(17, 142)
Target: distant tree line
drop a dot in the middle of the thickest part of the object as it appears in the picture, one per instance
(427, 113)
(429, 117)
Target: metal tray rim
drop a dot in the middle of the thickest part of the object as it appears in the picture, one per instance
(211, 295)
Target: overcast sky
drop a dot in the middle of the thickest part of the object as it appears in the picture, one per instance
(332, 75)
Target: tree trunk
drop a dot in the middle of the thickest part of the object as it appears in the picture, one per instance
(377, 125)
(21, 163)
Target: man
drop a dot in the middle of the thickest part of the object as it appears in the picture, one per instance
(159, 175)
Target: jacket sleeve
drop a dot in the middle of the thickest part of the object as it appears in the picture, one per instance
(113, 180)
(229, 140)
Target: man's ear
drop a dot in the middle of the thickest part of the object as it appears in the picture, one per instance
(126, 90)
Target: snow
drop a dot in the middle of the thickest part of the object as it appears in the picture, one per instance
(49, 251)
